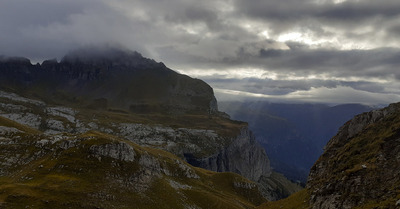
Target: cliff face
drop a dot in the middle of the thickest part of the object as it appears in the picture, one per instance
(243, 156)
(96, 170)
(360, 165)
(206, 148)
(137, 99)
(109, 79)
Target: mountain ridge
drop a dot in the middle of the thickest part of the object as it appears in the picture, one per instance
(88, 80)
(181, 117)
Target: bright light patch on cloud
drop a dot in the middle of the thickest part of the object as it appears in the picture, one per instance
(337, 95)
(305, 38)
(342, 94)
(293, 36)
(338, 1)
(238, 73)
(265, 34)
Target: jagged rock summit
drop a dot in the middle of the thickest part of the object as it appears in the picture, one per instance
(109, 78)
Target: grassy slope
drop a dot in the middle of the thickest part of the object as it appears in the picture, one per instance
(372, 148)
(367, 148)
(298, 200)
(222, 126)
(12, 124)
(280, 184)
(72, 178)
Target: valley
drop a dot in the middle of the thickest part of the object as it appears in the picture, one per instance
(112, 129)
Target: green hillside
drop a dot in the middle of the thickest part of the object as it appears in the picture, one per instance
(96, 170)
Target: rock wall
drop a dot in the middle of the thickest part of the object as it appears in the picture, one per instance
(243, 156)
(109, 78)
(203, 148)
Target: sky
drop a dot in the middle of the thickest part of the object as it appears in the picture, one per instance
(326, 51)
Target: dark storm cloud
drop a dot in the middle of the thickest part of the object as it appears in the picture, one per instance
(350, 44)
(377, 62)
(349, 17)
(294, 9)
(374, 63)
(37, 29)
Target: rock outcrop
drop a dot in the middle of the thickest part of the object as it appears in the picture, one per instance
(243, 156)
(109, 78)
(123, 94)
(96, 170)
(360, 165)
(208, 149)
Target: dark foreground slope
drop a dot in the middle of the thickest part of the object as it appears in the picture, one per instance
(359, 168)
(95, 170)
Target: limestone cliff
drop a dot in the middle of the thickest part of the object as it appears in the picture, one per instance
(124, 94)
(209, 148)
(243, 156)
(96, 170)
(175, 110)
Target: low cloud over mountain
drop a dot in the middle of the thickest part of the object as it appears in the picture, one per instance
(326, 45)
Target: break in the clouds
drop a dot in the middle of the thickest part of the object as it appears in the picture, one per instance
(334, 51)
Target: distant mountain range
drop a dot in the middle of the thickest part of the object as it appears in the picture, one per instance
(293, 134)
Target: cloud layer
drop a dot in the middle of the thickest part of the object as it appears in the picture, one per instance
(292, 50)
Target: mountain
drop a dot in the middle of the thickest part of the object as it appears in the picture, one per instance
(293, 134)
(359, 167)
(108, 78)
(96, 170)
(125, 96)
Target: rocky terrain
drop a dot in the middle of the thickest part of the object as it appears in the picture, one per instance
(122, 95)
(97, 170)
(359, 167)
(204, 148)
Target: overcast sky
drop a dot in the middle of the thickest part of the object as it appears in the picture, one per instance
(332, 51)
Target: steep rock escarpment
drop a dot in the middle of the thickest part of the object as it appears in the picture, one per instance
(360, 165)
(205, 148)
(96, 170)
(243, 156)
(108, 78)
(124, 94)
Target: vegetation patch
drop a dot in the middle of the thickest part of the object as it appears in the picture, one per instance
(299, 200)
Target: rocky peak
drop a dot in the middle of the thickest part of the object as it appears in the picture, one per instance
(121, 79)
(110, 57)
(21, 63)
(19, 60)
